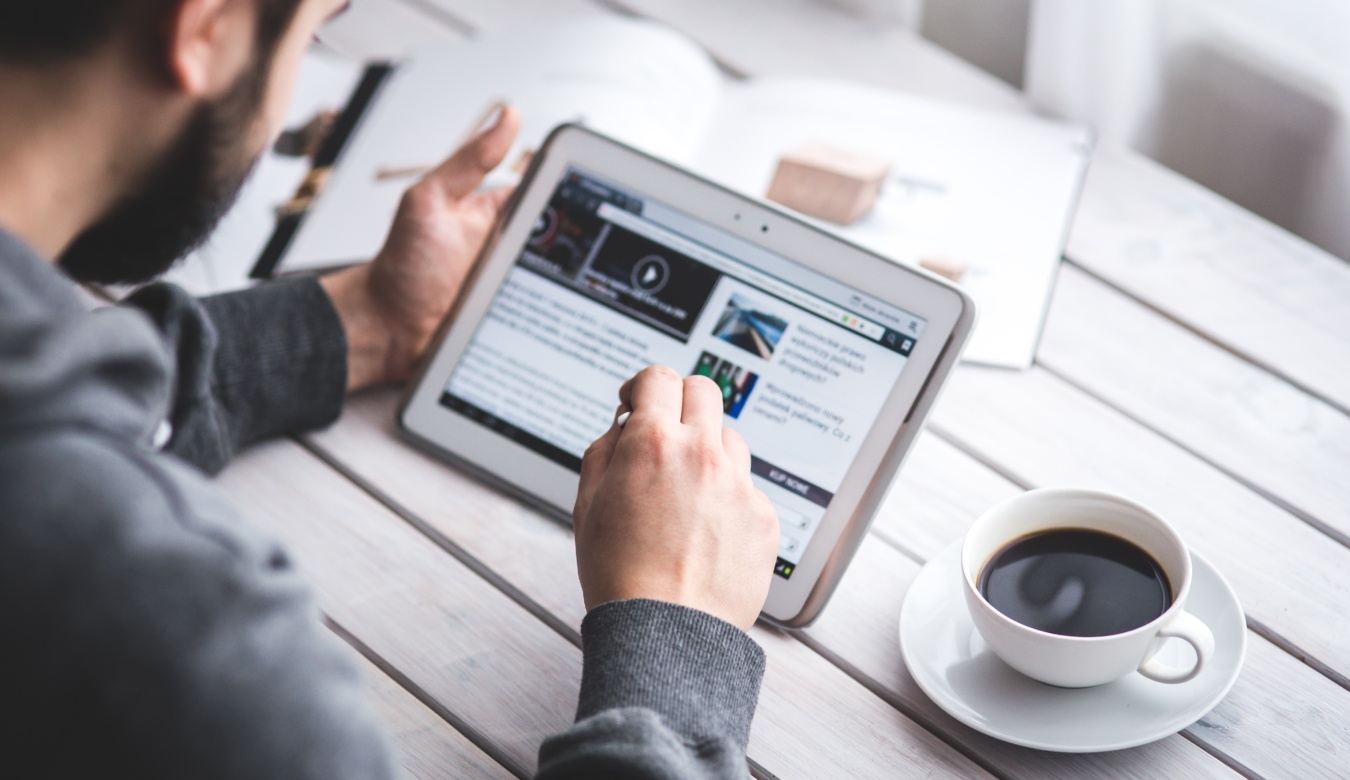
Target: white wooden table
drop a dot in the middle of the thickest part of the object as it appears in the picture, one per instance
(1196, 358)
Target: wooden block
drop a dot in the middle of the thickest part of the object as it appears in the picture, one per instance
(945, 267)
(827, 182)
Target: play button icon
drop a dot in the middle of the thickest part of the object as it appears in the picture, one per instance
(651, 274)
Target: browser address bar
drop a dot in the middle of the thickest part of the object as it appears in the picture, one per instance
(650, 230)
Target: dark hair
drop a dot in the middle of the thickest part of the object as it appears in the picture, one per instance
(47, 31)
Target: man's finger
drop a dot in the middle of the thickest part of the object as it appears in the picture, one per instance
(733, 443)
(498, 196)
(626, 395)
(593, 468)
(656, 393)
(464, 170)
(702, 403)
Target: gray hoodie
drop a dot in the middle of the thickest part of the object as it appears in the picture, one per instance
(146, 631)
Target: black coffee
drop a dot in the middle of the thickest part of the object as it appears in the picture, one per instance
(1076, 583)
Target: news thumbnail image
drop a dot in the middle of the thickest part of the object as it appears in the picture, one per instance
(735, 382)
(564, 237)
(569, 226)
(747, 325)
(660, 285)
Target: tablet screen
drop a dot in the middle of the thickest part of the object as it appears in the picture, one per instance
(612, 281)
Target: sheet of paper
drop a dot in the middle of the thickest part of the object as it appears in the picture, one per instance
(643, 84)
(995, 192)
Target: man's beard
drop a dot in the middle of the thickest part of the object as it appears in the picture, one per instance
(181, 201)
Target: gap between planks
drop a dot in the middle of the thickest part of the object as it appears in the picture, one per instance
(1330, 531)
(913, 713)
(479, 740)
(1241, 419)
(1220, 343)
(446, 544)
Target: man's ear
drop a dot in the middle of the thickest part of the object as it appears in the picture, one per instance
(207, 44)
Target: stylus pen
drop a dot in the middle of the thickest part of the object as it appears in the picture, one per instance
(622, 419)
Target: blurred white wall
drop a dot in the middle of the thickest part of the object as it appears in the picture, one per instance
(1249, 97)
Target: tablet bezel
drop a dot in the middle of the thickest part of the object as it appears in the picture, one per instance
(948, 311)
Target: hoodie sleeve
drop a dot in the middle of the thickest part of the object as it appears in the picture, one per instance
(161, 637)
(667, 693)
(249, 365)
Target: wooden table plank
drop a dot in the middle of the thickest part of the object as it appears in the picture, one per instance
(535, 555)
(428, 747)
(1252, 424)
(1281, 719)
(479, 654)
(815, 721)
(1258, 290)
(1290, 577)
(937, 495)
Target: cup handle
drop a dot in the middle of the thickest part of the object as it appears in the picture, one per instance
(1188, 627)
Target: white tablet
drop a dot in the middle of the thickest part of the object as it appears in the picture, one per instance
(829, 357)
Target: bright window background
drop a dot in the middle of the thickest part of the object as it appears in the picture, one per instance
(1249, 97)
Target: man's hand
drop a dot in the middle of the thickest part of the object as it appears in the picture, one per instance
(666, 508)
(391, 306)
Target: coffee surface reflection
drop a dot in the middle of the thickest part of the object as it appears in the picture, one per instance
(1076, 582)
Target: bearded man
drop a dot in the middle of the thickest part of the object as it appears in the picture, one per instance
(149, 632)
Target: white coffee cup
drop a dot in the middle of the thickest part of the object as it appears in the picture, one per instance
(1074, 661)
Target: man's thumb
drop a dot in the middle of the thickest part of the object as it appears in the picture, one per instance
(459, 176)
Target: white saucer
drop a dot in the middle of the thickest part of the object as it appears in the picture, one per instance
(952, 664)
